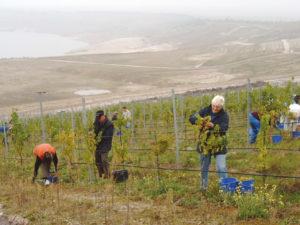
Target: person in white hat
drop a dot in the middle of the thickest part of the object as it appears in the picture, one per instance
(218, 117)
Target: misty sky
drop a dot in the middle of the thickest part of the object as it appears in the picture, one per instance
(257, 9)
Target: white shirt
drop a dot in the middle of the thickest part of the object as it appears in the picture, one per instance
(126, 114)
(295, 110)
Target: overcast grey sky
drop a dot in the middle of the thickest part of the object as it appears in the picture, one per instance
(272, 9)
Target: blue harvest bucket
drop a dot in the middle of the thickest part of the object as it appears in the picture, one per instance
(247, 186)
(280, 126)
(276, 139)
(229, 184)
(52, 179)
(296, 134)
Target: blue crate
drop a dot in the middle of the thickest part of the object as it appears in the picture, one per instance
(229, 184)
(247, 186)
(296, 134)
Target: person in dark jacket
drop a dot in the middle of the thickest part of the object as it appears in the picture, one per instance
(218, 117)
(104, 130)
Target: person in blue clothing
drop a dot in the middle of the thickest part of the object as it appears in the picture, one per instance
(4, 129)
(218, 117)
(254, 121)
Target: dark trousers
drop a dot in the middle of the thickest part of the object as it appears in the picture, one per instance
(102, 164)
(45, 169)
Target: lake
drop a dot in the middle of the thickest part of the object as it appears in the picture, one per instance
(19, 43)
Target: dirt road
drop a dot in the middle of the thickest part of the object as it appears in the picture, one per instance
(3, 221)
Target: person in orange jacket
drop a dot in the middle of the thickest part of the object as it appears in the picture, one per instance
(45, 154)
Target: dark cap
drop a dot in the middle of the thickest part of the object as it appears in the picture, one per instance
(99, 113)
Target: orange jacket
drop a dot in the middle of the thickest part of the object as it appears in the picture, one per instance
(41, 149)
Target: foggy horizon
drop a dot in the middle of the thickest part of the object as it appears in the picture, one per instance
(230, 9)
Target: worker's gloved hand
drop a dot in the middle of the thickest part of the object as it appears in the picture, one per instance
(33, 179)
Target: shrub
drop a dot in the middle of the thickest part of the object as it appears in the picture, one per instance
(255, 205)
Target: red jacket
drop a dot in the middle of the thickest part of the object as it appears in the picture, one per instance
(41, 149)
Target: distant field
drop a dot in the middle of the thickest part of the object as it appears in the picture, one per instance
(204, 54)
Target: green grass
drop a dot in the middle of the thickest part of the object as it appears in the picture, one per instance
(157, 194)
